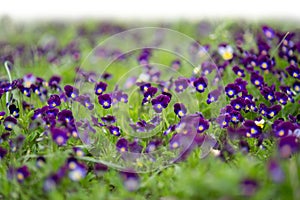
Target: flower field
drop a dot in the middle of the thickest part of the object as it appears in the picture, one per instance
(180, 110)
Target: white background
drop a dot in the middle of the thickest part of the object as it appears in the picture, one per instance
(148, 9)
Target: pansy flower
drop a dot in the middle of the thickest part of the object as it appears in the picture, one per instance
(122, 145)
(9, 122)
(226, 51)
(232, 89)
(268, 93)
(54, 82)
(142, 126)
(144, 86)
(275, 171)
(264, 62)
(238, 71)
(25, 90)
(213, 96)
(22, 173)
(153, 145)
(273, 111)
(200, 84)
(131, 180)
(36, 89)
(296, 86)
(114, 130)
(85, 101)
(202, 125)
(293, 71)
(54, 101)
(284, 129)
(2, 114)
(100, 88)
(238, 103)
(181, 84)
(65, 116)
(59, 136)
(119, 96)
(256, 79)
(3, 153)
(151, 91)
(29, 79)
(281, 98)
(223, 120)
(176, 64)
(78, 172)
(235, 117)
(14, 111)
(249, 187)
(252, 129)
(40, 161)
(288, 145)
(180, 109)
(160, 102)
(105, 100)
(71, 91)
(109, 119)
(268, 32)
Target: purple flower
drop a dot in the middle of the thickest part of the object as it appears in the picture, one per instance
(273, 111)
(256, 79)
(238, 71)
(2, 114)
(284, 128)
(149, 94)
(232, 90)
(22, 173)
(160, 102)
(25, 90)
(202, 125)
(213, 96)
(180, 109)
(104, 100)
(293, 71)
(131, 180)
(181, 84)
(144, 86)
(85, 101)
(119, 96)
(3, 152)
(288, 145)
(200, 84)
(54, 101)
(153, 145)
(65, 116)
(296, 86)
(238, 103)
(235, 117)
(249, 187)
(108, 119)
(71, 91)
(252, 130)
(275, 171)
(114, 130)
(14, 111)
(40, 161)
(223, 120)
(268, 32)
(281, 97)
(54, 82)
(264, 62)
(122, 145)
(100, 88)
(78, 172)
(9, 123)
(268, 93)
(59, 136)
